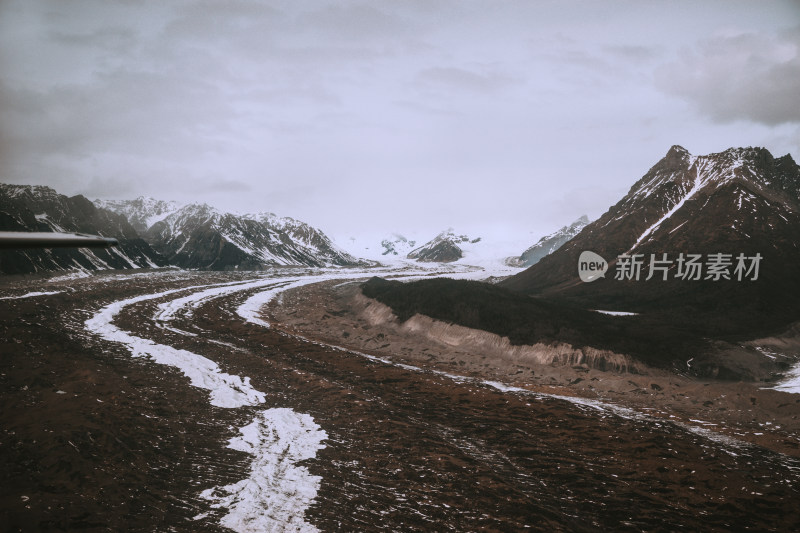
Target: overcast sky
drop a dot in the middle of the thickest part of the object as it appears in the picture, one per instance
(388, 116)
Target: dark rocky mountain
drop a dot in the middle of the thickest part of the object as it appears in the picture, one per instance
(548, 244)
(36, 208)
(199, 236)
(142, 212)
(444, 248)
(742, 203)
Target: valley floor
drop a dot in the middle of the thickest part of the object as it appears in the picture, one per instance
(174, 401)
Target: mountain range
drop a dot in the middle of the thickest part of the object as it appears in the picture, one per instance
(37, 208)
(200, 236)
(155, 233)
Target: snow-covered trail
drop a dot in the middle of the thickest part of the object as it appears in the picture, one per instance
(226, 390)
(277, 492)
(275, 495)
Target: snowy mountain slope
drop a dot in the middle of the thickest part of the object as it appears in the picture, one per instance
(36, 208)
(397, 245)
(142, 212)
(199, 236)
(549, 244)
(386, 248)
(717, 242)
(444, 248)
(740, 201)
(490, 251)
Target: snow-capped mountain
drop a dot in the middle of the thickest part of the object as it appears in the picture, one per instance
(37, 208)
(444, 248)
(387, 248)
(549, 244)
(740, 201)
(200, 236)
(142, 212)
(491, 249)
(397, 245)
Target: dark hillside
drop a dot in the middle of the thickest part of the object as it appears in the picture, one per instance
(657, 340)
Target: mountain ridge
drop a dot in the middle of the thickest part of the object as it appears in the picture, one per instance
(738, 200)
(33, 208)
(200, 236)
(549, 244)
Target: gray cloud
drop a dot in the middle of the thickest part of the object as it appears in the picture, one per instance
(463, 79)
(745, 76)
(356, 114)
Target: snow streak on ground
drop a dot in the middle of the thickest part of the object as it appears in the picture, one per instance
(615, 313)
(790, 381)
(226, 390)
(29, 295)
(278, 491)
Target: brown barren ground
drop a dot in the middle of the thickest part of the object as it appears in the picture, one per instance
(338, 314)
(95, 440)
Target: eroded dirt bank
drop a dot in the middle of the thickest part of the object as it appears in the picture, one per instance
(337, 313)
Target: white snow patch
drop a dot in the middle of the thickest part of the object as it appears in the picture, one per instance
(790, 381)
(168, 310)
(77, 274)
(615, 313)
(696, 187)
(276, 494)
(30, 295)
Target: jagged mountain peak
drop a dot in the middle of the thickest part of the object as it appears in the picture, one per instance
(201, 236)
(34, 191)
(678, 153)
(740, 200)
(141, 212)
(680, 176)
(397, 244)
(444, 248)
(549, 244)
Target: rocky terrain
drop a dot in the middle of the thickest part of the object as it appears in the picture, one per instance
(37, 209)
(148, 401)
(341, 315)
